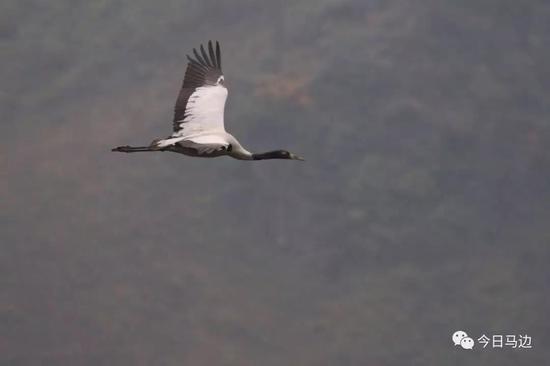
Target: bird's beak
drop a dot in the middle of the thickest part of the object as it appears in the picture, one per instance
(296, 157)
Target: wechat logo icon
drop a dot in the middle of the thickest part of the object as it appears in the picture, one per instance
(460, 338)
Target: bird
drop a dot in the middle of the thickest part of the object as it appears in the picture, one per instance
(198, 124)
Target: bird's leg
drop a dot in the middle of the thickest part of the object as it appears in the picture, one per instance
(130, 149)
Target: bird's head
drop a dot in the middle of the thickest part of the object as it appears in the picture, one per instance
(277, 154)
(283, 154)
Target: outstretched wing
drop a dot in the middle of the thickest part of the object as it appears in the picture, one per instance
(201, 101)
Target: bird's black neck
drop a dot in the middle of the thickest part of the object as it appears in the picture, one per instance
(269, 155)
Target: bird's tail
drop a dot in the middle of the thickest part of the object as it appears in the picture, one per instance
(130, 149)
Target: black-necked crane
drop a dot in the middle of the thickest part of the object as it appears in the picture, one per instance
(198, 119)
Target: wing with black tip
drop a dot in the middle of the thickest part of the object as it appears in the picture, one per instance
(201, 101)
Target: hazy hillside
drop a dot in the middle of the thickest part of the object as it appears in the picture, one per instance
(422, 208)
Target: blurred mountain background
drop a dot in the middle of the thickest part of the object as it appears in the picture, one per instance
(423, 206)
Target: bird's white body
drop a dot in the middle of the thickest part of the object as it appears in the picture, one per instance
(209, 144)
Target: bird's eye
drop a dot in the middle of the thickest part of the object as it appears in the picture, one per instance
(221, 80)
